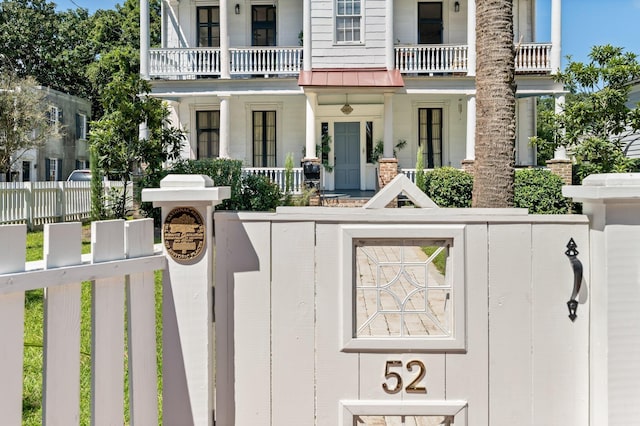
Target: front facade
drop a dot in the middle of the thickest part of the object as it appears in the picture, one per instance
(65, 150)
(255, 80)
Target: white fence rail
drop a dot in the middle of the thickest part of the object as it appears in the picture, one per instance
(37, 203)
(533, 57)
(277, 175)
(266, 60)
(122, 263)
(434, 58)
(181, 62)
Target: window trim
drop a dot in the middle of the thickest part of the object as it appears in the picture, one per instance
(197, 131)
(454, 233)
(264, 155)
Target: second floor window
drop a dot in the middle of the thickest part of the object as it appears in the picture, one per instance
(81, 126)
(208, 26)
(348, 20)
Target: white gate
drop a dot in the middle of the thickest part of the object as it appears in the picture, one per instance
(400, 317)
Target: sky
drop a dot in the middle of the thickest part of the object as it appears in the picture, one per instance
(585, 23)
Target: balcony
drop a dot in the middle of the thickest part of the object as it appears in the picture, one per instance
(409, 59)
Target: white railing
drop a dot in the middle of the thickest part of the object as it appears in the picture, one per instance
(277, 175)
(37, 203)
(115, 272)
(266, 60)
(411, 173)
(184, 62)
(533, 57)
(431, 58)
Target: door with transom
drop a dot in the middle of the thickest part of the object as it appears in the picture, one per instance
(347, 158)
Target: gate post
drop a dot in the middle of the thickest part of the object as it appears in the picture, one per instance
(187, 203)
(612, 202)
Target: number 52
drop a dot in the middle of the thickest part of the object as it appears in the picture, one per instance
(411, 387)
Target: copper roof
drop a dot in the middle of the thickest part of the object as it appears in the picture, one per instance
(349, 77)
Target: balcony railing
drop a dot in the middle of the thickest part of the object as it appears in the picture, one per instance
(266, 60)
(410, 59)
(433, 58)
(184, 62)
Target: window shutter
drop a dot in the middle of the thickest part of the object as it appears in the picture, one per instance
(59, 169)
(78, 126)
(59, 116)
(47, 168)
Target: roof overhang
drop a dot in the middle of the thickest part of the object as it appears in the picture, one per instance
(358, 78)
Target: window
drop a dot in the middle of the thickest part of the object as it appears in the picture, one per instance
(263, 25)
(264, 138)
(430, 23)
(81, 126)
(54, 115)
(208, 133)
(369, 141)
(348, 20)
(53, 169)
(208, 26)
(430, 136)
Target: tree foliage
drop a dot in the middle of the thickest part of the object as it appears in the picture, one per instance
(24, 123)
(596, 116)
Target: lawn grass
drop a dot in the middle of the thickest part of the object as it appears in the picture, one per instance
(440, 261)
(33, 338)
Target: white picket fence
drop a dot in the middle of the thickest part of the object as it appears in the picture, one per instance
(278, 175)
(121, 267)
(37, 203)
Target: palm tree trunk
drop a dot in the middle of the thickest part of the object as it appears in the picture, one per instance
(495, 105)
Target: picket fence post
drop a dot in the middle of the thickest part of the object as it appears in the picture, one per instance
(187, 203)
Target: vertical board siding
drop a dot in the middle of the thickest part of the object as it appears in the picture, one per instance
(62, 247)
(107, 325)
(141, 315)
(293, 322)
(510, 316)
(12, 330)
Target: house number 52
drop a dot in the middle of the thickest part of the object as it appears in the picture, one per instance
(396, 387)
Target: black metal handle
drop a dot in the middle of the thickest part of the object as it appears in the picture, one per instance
(572, 254)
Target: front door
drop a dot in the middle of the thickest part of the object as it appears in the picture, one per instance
(347, 158)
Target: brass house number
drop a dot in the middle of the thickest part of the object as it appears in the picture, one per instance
(395, 376)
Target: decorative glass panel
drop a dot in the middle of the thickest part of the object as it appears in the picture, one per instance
(402, 289)
(402, 420)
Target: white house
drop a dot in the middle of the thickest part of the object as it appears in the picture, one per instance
(255, 80)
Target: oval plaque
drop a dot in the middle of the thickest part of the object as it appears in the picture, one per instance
(183, 233)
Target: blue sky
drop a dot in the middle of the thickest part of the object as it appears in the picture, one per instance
(585, 23)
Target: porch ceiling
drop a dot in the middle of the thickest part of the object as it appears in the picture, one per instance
(353, 78)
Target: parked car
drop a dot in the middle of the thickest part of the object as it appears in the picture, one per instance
(79, 175)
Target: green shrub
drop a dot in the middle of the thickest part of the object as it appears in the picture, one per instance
(449, 187)
(421, 181)
(258, 193)
(540, 191)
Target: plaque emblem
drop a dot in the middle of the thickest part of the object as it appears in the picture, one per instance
(184, 234)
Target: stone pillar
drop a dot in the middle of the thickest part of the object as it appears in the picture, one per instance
(144, 40)
(612, 203)
(468, 166)
(562, 168)
(387, 170)
(187, 203)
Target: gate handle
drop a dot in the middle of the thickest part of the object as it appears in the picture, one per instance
(572, 254)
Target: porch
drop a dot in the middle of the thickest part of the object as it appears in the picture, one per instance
(414, 59)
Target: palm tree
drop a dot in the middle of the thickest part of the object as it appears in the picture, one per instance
(495, 105)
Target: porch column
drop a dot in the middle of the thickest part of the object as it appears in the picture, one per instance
(225, 125)
(224, 41)
(310, 142)
(556, 36)
(471, 128)
(612, 203)
(388, 126)
(144, 39)
(561, 164)
(388, 23)
(471, 39)
(306, 35)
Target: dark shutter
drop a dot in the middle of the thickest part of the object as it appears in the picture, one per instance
(78, 127)
(59, 169)
(47, 168)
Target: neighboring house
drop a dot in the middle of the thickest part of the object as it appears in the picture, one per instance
(255, 80)
(631, 140)
(64, 152)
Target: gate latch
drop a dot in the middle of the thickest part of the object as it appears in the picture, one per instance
(572, 254)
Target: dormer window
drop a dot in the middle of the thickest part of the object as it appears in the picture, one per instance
(348, 20)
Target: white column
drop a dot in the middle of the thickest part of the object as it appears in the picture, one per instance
(224, 40)
(306, 35)
(144, 39)
(225, 126)
(560, 152)
(388, 126)
(556, 35)
(388, 24)
(471, 128)
(187, 316)
(471, 38)
(310, 141)
(611, 201)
